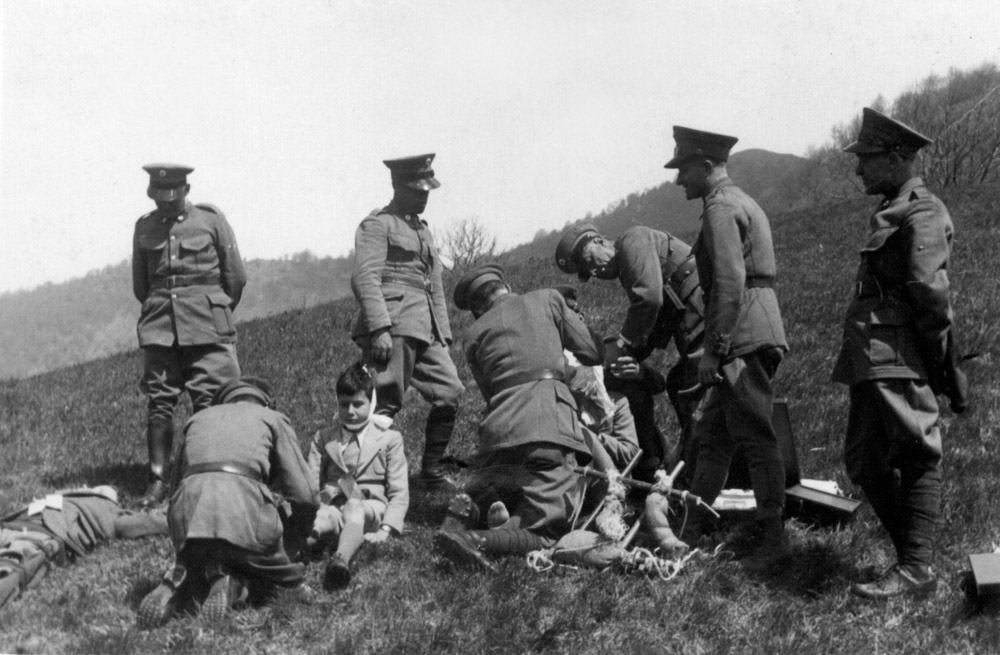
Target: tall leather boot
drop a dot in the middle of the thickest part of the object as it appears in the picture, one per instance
(160, 442)
(437, 434)
(469, 548)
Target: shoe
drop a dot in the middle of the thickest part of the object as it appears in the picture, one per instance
(156, 493)
(225, 592)
(772, 546)
(899, 580)
(301, 594)
(463, 549)
(497, 516)
(158, 606)
(337, 574)
(462, 514)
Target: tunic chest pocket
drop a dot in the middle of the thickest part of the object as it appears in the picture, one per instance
(402, 248)
(192, 247)
(152, 249)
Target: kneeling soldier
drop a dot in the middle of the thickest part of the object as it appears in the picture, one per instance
(230, 534)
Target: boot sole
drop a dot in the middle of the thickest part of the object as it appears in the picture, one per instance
(157, 608)
(217, 603)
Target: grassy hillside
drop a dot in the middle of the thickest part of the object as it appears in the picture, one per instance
(83, 425)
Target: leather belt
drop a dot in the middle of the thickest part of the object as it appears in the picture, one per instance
(235, 468)
(422, 284)
(172, 281)
(526, 377)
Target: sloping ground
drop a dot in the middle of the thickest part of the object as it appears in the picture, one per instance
(83, 425)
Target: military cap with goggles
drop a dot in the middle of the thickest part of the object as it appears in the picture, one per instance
(691, 143)
(571, 245)
(167, 181)
(881, 134)
(472, 281)
(414, 172)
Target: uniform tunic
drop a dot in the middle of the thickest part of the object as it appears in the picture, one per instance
(188, 275)
(397, 283)
(743, 327)
(532, 426)
(895, 334)
(243, 512)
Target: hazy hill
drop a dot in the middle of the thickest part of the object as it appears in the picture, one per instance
(62, 324)
(769, 177)
(95, 410)
(58, 325)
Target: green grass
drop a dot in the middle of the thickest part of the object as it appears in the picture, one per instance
(83, 425)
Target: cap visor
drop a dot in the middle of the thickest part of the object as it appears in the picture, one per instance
(859, 148)
(424, 184)
(165, 194)
(675, 162)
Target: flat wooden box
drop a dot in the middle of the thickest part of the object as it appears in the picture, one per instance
(986, 571)
(819, 506)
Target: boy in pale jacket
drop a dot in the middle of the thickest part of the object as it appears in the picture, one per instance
(360, 467)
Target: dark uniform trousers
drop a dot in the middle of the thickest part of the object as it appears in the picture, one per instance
(737, 413)
(536, 482)
(892, 451)
(200, 369)
(259, 571)
(428, 368)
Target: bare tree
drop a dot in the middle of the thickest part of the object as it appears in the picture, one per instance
(467, 243)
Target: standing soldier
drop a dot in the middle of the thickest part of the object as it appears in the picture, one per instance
(744, 340)
(896, 342)
(659, 275)
(188, 275)
(402, 326)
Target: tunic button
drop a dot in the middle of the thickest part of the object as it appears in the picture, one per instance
(173, 256)
(174, 296)
(173, 236)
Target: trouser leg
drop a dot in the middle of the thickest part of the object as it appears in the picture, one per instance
(434, 375)
(205, 368)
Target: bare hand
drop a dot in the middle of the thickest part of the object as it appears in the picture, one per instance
(612, 353)
(708, 370)
(381, 346)
(377, 537)
(626, 368)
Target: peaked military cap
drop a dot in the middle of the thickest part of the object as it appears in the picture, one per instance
(247, 385)
(166, 181)
(698, 143)
(415, 172)
(469, 283)
(568, 248)
(879, 133)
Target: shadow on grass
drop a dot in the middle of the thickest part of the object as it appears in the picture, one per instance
(130, 479)
(811, 572)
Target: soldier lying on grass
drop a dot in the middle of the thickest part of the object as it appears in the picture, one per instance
(61, 527)
(360, 469)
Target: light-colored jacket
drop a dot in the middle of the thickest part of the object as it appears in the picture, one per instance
(380, 472)
(736, 268)
(897, 323)
(188, 275)
(519, 335)
(236, 508)
(397, 278)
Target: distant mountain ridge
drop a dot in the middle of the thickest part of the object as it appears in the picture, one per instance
(58, 325)
(773, 179)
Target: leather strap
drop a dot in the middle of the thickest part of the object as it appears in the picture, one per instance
(172, 281)
(526, 377)
(236, 468)
(421, 284)
(759, 283)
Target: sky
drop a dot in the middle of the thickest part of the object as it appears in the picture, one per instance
(539, 111)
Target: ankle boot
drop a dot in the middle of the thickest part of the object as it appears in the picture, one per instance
(772, 545)
(159, 441)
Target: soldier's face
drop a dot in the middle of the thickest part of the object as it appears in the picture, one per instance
(176, 206)
(693, 176)
(410, 200)
(598, 257)
(876, 171)
(354, 409)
